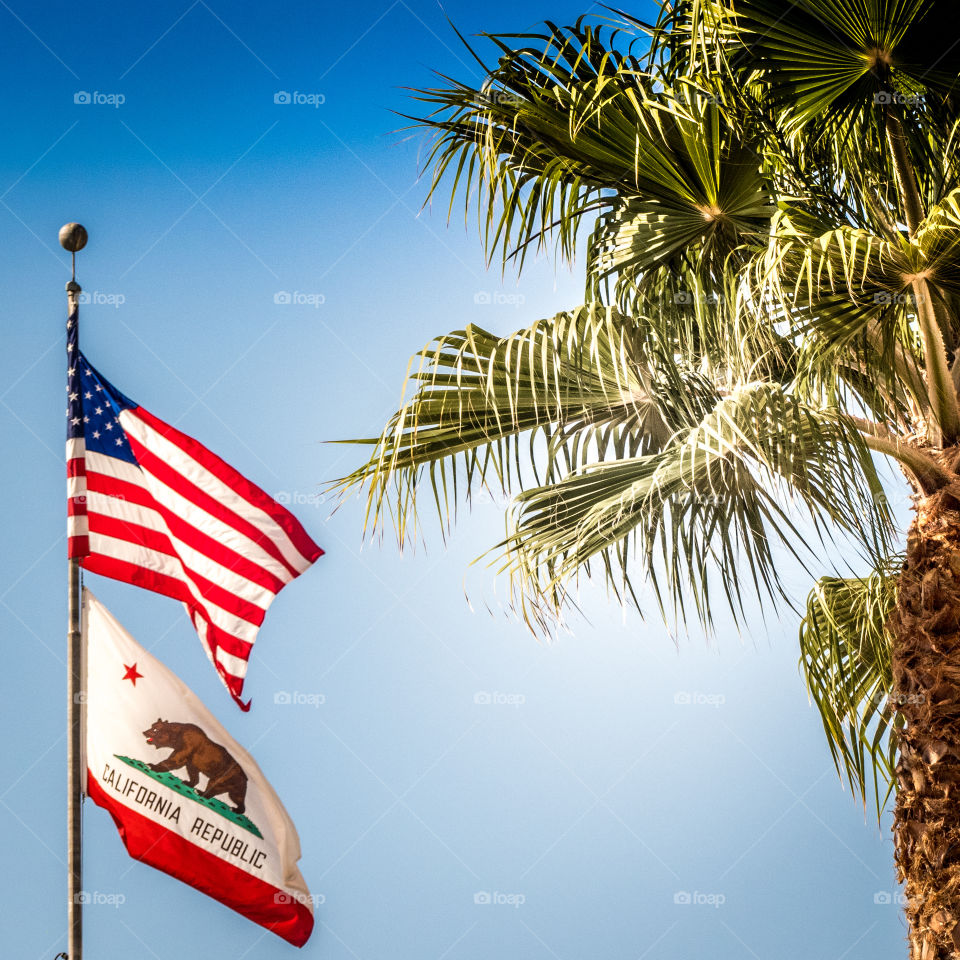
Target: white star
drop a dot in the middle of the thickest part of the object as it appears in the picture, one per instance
(96, 434)
(70, 346)
(86, 419)
(74, 396)
(75, 421)
(98, 410)
(109, 425)
(88, 395)
(98, 388)
(71, 371)
(86, 373)
(119, 442)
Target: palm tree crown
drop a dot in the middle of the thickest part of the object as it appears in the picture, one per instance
(771, 196)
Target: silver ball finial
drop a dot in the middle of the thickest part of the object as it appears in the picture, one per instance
(73, 237)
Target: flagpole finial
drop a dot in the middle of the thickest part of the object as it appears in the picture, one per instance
(73, 237)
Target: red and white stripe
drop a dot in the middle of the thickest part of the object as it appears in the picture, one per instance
(185, 524)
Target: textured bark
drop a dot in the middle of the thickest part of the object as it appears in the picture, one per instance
(926, 678)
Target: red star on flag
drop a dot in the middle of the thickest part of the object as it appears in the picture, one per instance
(132, 674)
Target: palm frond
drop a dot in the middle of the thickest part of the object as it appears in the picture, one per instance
(715, 199)
(846, 281)
(590, 383)
(716, 500)
(544, 139)
(845, 658)
(837, 60)
(573, 128)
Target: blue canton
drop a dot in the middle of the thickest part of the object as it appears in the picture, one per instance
(94, 404)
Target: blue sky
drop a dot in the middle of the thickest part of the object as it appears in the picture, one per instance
(609, 774)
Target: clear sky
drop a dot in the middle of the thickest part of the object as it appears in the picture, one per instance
(590, 783)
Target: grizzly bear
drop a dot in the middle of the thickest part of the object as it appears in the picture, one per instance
(193, 749)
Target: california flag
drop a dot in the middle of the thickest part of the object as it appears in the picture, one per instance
(185, 796)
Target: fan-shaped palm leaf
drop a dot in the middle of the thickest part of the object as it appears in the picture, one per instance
(840, 58)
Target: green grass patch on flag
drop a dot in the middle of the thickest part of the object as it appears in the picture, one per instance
(185, 790)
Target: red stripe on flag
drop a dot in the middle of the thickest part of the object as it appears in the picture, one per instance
(220, 553)
(121, 489)
(136, 575)
(227, 600)
(108, 526)
(186, 532)
(78, 547)
(164, 850)
(123, 530)
(170, 477)
(238, 483)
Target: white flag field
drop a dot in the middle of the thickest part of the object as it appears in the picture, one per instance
(185, 796)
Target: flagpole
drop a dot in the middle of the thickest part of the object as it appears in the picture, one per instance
(73, 237)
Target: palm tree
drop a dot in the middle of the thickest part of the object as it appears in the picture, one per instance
(771, 310)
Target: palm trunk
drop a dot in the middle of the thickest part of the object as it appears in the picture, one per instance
(926, 689)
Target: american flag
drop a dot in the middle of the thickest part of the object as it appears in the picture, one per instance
(151, 506)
